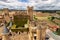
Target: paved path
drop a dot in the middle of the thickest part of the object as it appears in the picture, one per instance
(52, 35)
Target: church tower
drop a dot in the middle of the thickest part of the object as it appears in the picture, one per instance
(30, 12)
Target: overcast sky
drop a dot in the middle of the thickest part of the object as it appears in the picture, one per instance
(37, 4)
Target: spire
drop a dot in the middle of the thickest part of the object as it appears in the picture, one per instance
(5, 29)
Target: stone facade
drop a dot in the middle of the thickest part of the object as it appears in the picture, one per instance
(30, 12)
(35, 30)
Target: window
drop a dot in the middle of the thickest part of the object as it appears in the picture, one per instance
(0, 38)
(6, 14)
(35, 25)
(34, 37)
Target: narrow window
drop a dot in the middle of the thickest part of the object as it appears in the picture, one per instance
(34, 37)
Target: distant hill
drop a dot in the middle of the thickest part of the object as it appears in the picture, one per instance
(51, 11)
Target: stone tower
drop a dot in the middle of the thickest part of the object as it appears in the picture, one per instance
(5, 33)
(36, 31)
(30, 12)
(41, 32)
(6, 11)
(6, 14)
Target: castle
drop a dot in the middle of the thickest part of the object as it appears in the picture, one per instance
(37, 31)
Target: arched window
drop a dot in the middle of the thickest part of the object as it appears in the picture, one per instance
(34, 37)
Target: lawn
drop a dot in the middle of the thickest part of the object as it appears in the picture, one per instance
(20, 20)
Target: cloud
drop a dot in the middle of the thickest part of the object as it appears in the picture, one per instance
(37, 4)
(12, 4)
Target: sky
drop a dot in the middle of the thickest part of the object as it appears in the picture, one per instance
(37, 4)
